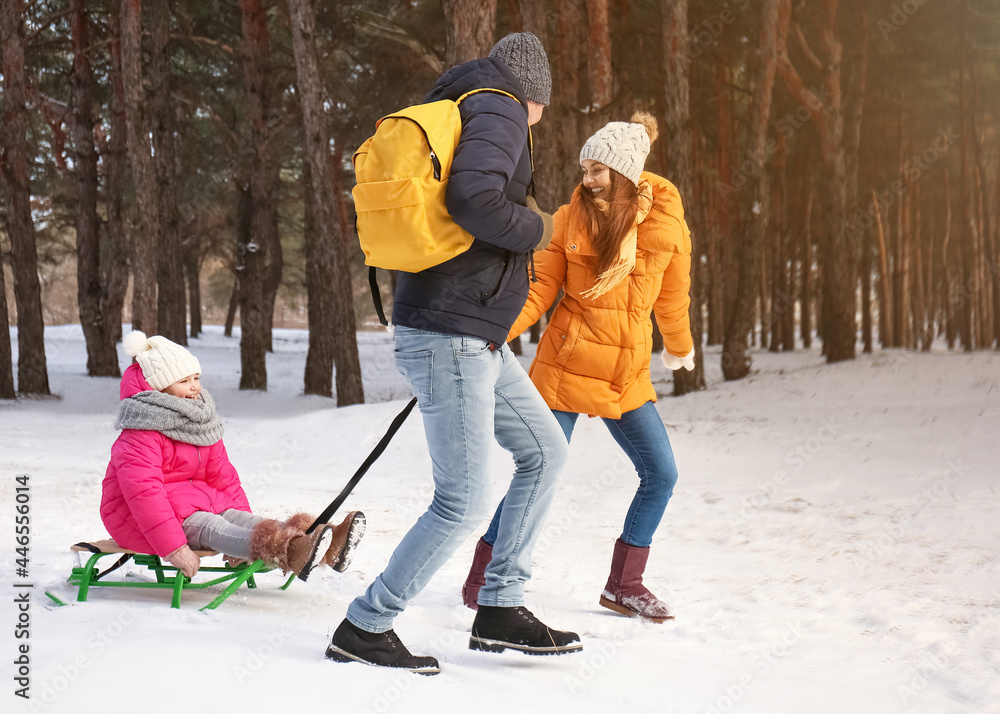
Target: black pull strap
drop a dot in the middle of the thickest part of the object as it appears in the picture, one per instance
(89, 546)
(121, 561)
(324, 517)
(376, 296)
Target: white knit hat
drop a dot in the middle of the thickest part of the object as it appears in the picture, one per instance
(162, 362)
(623, 146)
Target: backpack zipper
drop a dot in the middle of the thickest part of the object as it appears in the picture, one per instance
(437, 164)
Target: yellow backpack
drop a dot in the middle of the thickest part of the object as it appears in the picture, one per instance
(402, 175)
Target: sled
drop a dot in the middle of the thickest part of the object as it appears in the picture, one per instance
(167, 576)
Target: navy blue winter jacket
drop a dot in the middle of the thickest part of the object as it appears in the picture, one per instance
(480, 292)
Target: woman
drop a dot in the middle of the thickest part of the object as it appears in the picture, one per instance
(620, 250)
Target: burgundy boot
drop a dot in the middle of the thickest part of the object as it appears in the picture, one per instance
(625, 592)
(477, 574)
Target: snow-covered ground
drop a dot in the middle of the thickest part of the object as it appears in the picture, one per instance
(832, 546)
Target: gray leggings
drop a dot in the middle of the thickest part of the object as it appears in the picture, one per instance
(228, 532)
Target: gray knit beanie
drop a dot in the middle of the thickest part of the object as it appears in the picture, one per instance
(622, 146)
(524, 55)
(162, 362)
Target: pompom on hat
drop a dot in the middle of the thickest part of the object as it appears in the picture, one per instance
(524, 55)
(623, 146)
(162, 362)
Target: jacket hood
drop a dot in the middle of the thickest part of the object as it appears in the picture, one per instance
(488, 72)
(133, 382)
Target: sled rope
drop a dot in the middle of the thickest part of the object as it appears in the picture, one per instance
(324, 517)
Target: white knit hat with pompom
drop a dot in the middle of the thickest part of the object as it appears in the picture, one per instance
(162, 362)
(623, 146)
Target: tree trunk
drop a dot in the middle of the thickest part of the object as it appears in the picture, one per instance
(32, 373)
(191, 251)
(806, 281)
(984, 277)
(735, 360)
(946, 263)
(676, 90)
(781, 302)
(144, 257)
(599, 51)
(6, 353)
(854, 102)
(102, 359)
(275, 258)
(171, 303)
(250, 272)
(965, 236)
(919, 293)
(234, 301)
(995, 263)
(885, 308)
(332, 332)
(470, 26)
(725, 263)
(256, 199)
(900, 273)
(865, 265)
(117, 271)
(838, 261)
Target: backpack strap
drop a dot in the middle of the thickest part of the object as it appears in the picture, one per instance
(487, 89)
(531, 148)
(376, 295)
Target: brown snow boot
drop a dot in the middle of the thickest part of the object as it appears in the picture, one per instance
(288, 546)
(477, 574)
(625, 592)
(346, 537)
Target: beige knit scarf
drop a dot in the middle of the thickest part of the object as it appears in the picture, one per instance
(625, 263)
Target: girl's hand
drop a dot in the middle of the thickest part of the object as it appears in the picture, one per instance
(185, 561)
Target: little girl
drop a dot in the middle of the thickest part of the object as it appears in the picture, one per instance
(171, 488)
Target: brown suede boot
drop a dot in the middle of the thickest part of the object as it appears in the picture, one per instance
(288, 546)
(477, 574)
(346, 537)
(625, 592)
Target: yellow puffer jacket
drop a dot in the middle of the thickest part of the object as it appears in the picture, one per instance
(594, 356)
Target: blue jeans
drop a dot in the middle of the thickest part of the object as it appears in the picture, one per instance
(468, 396)
(642, 436)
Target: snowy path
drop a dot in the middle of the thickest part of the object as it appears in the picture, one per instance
(832, 546)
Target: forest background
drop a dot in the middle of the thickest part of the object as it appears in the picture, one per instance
(179, 162)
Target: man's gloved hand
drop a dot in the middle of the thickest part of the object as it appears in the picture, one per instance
(673, 362)
(532, 205)
(185, 561)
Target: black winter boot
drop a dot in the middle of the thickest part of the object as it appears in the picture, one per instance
(497, 628)
(378, 649)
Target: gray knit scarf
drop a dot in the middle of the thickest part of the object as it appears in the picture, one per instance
(193, 421)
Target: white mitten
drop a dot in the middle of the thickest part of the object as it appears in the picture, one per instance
(673, 362)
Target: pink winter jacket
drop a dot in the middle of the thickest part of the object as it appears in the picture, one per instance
(153, 483)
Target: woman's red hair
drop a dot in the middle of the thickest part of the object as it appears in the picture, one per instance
(608, 230)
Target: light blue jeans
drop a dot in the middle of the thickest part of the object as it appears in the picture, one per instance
(643, 438)
(468, 396)
(227, 532)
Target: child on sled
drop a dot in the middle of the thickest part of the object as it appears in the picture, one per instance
(170, 487)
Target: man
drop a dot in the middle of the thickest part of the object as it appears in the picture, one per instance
(451, 327)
